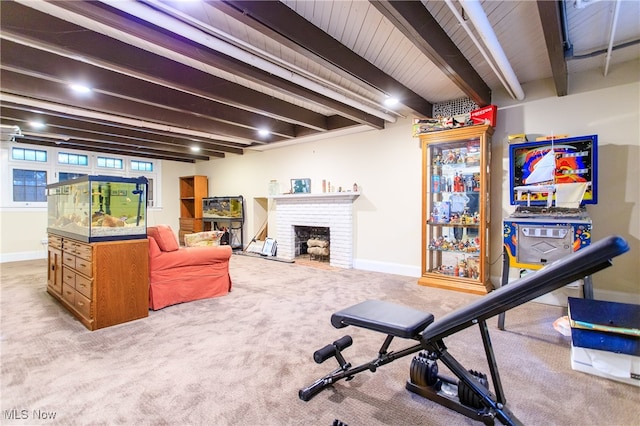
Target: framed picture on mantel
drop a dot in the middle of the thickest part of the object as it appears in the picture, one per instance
(300, 186)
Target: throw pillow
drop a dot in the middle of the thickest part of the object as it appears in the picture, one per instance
(164, 237)
(200, 239)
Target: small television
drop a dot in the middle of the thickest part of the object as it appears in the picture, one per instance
(537, 168)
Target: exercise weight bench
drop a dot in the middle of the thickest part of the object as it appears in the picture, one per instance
(469, 392)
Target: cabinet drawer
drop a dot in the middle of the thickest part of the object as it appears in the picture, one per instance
(54, 241)
(69, 260)
(84, 267)
(83, 285)
(186, 224)
(68, 278)
(83, 306)
(69, 294)
(83, 251)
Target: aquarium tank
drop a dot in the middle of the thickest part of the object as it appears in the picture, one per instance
(98, 208)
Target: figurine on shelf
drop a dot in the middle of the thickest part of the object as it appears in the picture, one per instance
(469, 183)
(450, 158)
(476, 179)
(464, 219)
(437, 160)
(436, 183)
(472, 272)
(457, 183)
(462, 268)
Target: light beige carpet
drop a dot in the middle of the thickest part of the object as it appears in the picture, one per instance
(240, 359)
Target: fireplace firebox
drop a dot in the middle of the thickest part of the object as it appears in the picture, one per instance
(312, 241)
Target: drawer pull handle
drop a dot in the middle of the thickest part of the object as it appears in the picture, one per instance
(80, 304)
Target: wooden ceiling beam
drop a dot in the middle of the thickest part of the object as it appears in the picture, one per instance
(551, 20)
(416, 23)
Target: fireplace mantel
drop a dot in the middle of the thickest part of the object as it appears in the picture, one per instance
(324, 196)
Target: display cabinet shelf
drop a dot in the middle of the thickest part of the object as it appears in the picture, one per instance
(455, 226)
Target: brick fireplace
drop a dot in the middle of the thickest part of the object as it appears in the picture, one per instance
(331, 210)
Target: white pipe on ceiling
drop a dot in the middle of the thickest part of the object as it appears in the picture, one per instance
(478, 17)
(482, 50)
(614, 24)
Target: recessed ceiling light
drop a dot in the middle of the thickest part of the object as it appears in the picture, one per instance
(80, 88)
(36, 124)
(264, 132)
(391, 101)
(195, 148)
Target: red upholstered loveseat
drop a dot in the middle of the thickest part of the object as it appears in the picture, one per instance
(184, 274)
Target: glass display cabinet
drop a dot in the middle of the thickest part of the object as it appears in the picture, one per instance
(455, 209)
(98, 208)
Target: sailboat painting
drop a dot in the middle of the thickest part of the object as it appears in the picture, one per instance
(545, 164)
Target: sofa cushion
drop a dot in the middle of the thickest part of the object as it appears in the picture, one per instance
(164, 237)
(206, 239)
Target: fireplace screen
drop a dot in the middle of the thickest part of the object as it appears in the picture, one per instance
(313, 242)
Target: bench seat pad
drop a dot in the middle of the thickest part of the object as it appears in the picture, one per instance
(385, 317)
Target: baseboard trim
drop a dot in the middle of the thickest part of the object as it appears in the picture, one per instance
(389, 268)
(22, 256)
(616, 296)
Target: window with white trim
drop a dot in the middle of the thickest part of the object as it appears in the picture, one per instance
(29, 185)
(73, 159)
(25, 154)
(110, 163)
(143, 166)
